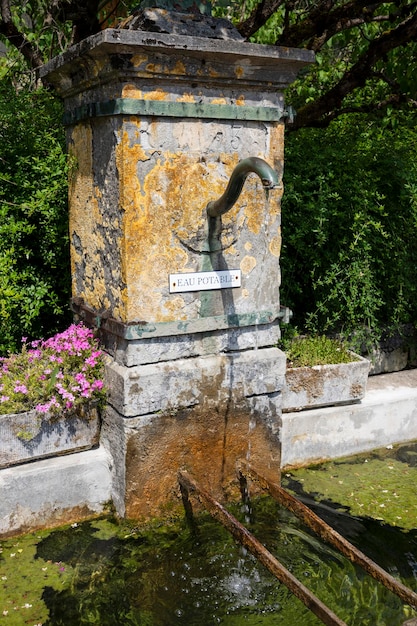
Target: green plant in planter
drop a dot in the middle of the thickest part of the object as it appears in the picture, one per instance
(309, 350)
(53, 376)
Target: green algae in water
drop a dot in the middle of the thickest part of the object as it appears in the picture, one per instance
(108, 573)
(105, 573)
(23, 577)
(381, 484)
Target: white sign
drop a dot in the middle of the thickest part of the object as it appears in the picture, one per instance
(203, 281)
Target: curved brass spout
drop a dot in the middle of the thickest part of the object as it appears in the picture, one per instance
(258, 166)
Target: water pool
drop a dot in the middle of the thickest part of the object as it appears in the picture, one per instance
(108, 573)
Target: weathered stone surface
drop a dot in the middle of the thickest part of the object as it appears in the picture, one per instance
(193, 60)
(194, 24)
(143, 351)
(204, 414)
(156, 125)
(383, 362)
(54, 491)
(29, 436)
(157, 225)
(386, 415)
(142, 181)
(209, 442)
(325, 385)
(211, 381)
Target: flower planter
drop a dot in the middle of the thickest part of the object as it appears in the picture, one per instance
(30, 436)
(325, 385)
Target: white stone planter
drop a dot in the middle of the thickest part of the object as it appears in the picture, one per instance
(30, 436)
(325, 385)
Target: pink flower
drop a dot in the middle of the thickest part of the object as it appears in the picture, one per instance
(34, 355)
(64, 393)
(19, 388)
(45, 408)
(42, 408)
(68, 365)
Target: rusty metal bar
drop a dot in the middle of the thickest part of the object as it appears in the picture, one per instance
(328, 534)
(239, 532)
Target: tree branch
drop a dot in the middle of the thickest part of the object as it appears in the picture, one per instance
(329, 104)
(17, 38)
(259, 16)
(394, 100)
(84, 16)
(323, 22)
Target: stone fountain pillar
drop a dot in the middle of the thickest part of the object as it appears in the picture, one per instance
(156, 123)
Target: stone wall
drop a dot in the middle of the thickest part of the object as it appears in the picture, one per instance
(156, 125)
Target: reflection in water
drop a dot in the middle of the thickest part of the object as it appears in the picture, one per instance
(201, 577)
(109, 573)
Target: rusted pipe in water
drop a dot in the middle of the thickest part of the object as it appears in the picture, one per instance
(328, 534)
(241, 534)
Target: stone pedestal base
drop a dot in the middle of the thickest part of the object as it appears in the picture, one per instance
(204, 415)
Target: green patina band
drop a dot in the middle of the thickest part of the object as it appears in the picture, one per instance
(204, 324)
(146, 330)
(160, 108)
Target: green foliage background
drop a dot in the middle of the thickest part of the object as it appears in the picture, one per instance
(349, 218)
(349, 209)
(34, 250)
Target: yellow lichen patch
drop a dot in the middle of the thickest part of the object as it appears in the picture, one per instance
(98, 64)
(118, 310)
(139, 59)
(179, 68)
(239, 71)
(240, 100)
(128, 155)
(229, 159)
(87, 224)
(275, 246)
(176, 308)
(219, 101)
(187, 97)
(157, 94)
(255, 201)
(159, 223)
(276, 143)
(274, 205)
(247, 264)
(153, 68)
(80, 192)
(248, 246)
(131, 91)
(231, 251)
